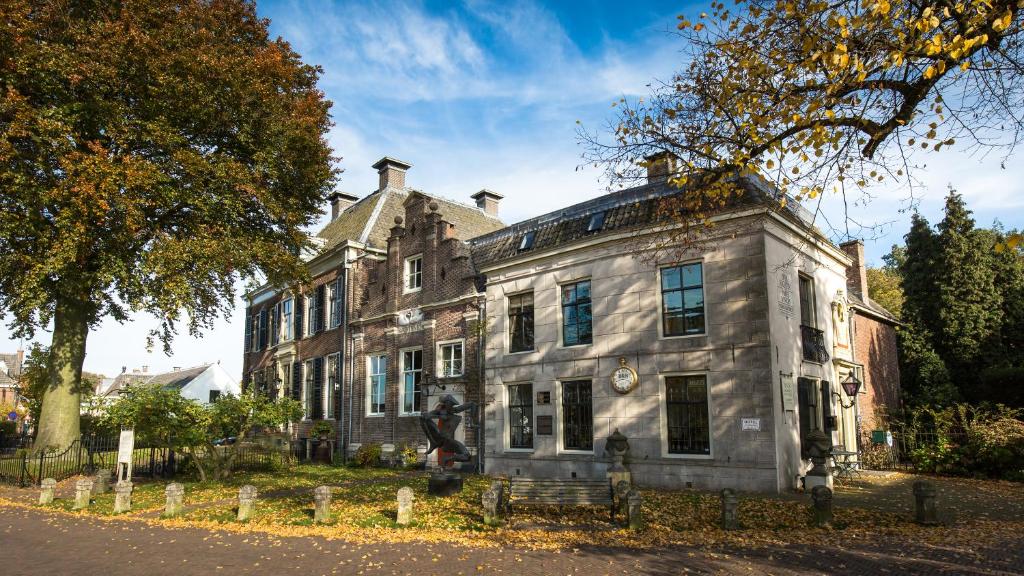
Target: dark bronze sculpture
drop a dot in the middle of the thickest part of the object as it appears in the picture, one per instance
(441, 433)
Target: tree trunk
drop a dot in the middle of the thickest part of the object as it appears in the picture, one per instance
(58, 424)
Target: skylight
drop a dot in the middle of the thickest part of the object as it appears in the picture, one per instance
(596, 222)
(527, 242)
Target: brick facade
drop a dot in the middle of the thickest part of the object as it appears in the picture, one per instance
(875, 348)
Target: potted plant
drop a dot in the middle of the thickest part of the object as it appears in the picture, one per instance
(322, 430)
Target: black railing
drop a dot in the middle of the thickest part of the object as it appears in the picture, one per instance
(813, 342)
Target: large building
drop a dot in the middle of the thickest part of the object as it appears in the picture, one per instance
(716, 361)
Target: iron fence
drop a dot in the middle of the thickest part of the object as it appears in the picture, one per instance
(904, 448)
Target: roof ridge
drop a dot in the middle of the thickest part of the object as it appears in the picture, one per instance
(372, 220)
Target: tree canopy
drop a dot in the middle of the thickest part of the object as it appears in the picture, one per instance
(824, 96)
(152, 153)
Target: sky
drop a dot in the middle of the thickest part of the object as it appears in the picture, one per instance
(487, 95)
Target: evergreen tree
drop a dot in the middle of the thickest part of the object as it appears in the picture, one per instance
(969, 306)
(916, 267)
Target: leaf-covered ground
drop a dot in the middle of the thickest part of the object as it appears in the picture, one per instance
(364, 511)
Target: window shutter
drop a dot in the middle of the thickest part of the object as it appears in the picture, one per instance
(275, 324)
(804, 391)
(248, 330)
(317, 409)
(297, 381)
(263, 328)
(299, 304)
(826, 406)
(319, 322)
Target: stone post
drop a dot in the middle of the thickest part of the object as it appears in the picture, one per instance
(820, 450)
(405, 498)
(175, 494)
(924, 503)
(822, 497)
(101, 483)
(730, 510)
(46, 488)
(636, 515)
(122, 497)
(489, 499)
(498, 487)
(83, 491)
(322, 504)
(621, 493)
(246, 502)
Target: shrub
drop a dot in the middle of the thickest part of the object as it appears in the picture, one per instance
(321, 428)
(983, 441)
(410, 457)
(368, 455)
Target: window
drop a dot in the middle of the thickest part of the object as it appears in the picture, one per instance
(378, 383)
(307, 390)
(577, 327)
(287, 326)
(520, 416)
(263, 327)
(686, 403)
(332, 383)
(682, 299)
(214, 395)
(413, 273)
(334, 304)
(527, 240)
(807, 315)
(412, 376)
(451, 359)
(311, 314)
(596, 222)
(520, 322)
(577, 416)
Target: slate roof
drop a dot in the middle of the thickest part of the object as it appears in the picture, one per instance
(370, 220)
(870, 306)
(9, 377)
(623, 210)
(177, 378)
(125, 379)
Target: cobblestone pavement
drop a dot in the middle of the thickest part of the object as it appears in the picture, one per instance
(37, 542)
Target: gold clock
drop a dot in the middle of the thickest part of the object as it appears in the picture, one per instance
(624, 378)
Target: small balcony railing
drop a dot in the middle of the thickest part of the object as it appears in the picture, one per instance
(813, 343)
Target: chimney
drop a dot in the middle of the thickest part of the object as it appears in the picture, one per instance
(392, 173)
(176, 368)
(660, 167)
(340, 202)
(856, 274)
(487, 200)
(145, 369)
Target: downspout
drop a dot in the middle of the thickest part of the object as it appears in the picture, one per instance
(481, 342)
(350, 342)
(343, 445)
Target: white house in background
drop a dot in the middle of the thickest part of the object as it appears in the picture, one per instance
(203, 384)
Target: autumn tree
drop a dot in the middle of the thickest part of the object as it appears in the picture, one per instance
(152, 153)
(823, 96)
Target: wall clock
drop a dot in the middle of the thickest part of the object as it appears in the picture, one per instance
(624, 378)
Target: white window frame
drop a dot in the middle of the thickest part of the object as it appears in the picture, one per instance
(328, 390)
(507, 417)
(401, 380)
(663, 409)
(557, 427)
(441, 358)
(287, 326)
(307, 382)
(309, 321)
(408, 275)
(333, 307)
(703, 294)
(370, 413)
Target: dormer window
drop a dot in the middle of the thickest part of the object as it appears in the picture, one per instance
(527, 241)
(596, 222)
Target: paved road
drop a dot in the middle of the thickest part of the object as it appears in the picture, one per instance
(35, 542)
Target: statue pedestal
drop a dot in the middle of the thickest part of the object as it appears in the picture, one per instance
(616, 476)
(443, 483)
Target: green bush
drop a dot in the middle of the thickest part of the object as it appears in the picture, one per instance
(321, 428)
(410, 457)
(368, 455)
(983, 441)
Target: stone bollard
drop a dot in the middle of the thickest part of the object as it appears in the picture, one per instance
(498, 487)
(924, 503)
(322, 504)
(123, 497)
(621, 493)
(405, 498)
(730, 510)
(822, 497)
(636, 514)
(489, 499)
(83, 491)
(101, 482)
(246, 502)
(175, 503)
(46, 488)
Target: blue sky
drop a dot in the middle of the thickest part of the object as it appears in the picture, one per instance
(486, 95)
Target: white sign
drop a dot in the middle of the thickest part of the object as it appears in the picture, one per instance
(751, 424)
(126, 447)
(788, 392)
